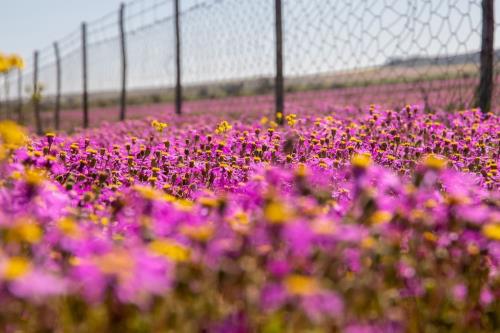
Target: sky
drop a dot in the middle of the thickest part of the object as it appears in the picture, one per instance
(37, 23)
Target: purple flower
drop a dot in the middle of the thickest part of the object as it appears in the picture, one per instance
(326, 304)
(273, 296)
(38, 285)
(459, 292)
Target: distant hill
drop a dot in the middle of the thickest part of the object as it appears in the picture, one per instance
(417, 61)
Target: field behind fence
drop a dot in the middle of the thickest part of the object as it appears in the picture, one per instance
(259, 56)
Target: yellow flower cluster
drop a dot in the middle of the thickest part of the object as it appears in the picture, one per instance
(291, 119)
(170, 250)
(15, 268)
(12, 136)
(303, 285)
(9, 62)
(361, 160)
(435, 162)
(159, 126)
(492, 231)
(223, 127)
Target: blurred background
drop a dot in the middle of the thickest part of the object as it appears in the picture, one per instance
(130, 60)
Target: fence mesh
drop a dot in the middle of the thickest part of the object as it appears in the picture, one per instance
(336, 53)
(150, 44)
(387, 51)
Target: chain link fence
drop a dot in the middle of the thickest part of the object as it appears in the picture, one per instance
(338, 53)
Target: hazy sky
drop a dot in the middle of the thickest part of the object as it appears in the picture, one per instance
(30, 24)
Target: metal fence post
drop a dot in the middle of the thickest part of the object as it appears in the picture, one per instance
(20, 118)
(57, 109)
(278, 85)
(85, 101)
(178, 80)
(36, 96)
(123, 99)
(485, 88)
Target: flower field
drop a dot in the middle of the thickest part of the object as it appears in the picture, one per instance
(440, 94)
(349, 221)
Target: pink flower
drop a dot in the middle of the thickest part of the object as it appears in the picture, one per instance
(38, 285)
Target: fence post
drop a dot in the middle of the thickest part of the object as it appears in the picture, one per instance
(485, 88)
(20, 118)
(1, 103)
(278, 85)
(57, 109)
(85, 101)
(7, 101)
(178, 80)
(123, 99)
(36, 96)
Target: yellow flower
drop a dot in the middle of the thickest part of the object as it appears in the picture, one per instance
(361, 160)
(301, 170)
(431, 237)
(4, 64)
(29, 232)
(492, 231)
(323, 165)
(291, 119)
(435, 162)
(33, 177)
(69, 227)
(200, 233)
(430, 203)
(74, 261)
(240, 221)
(368, 242)
(301, 285)
(170, 250)
(380, 217)
(273, 124)
(12, 134)
(184, 205)
(159, 126)
(147, 192)
(15, 61)
(208, 202)
(105, 221)
(15, 268)
(223, 127)
(276, 212)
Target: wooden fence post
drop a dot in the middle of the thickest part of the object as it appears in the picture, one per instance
(278, 85)
(123, 99)
(485, 88)
(85, 101)
(178, 73)
(36, 96)
(57, 109)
